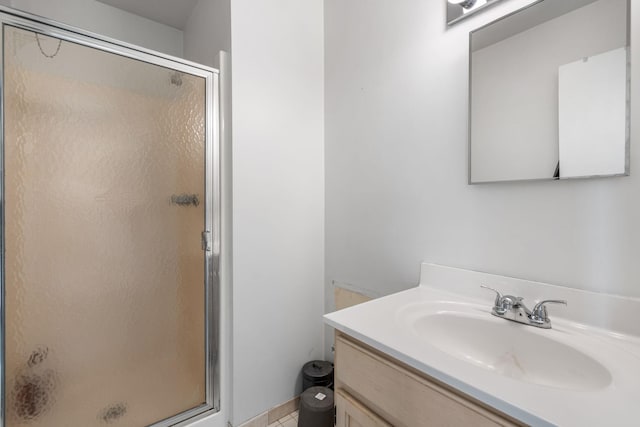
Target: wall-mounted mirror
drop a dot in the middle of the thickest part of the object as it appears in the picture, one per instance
(549, 93)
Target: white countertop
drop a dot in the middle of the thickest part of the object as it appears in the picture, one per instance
(379, 323)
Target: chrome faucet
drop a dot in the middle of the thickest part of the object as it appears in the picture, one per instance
(512, 308)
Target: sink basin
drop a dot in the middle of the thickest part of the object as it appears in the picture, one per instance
(507, 348)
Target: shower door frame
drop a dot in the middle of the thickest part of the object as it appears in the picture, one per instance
(211, 234)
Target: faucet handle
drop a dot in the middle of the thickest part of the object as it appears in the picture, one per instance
(539, 312)
(497, 305)
(498, 294)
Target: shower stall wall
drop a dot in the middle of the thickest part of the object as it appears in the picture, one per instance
(110, 231)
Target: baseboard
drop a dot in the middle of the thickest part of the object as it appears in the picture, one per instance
(273, 414)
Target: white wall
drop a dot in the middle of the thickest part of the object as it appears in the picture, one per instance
(208, 31)
(396, 166)
(108, 21)
(278, 195)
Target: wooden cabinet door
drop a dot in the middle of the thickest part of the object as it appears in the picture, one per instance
(351, 413)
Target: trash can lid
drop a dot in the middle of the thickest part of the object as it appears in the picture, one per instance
(317, 369)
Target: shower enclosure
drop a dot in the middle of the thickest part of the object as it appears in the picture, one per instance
(110, 231)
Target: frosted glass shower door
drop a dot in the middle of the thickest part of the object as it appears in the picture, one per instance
(104, 208)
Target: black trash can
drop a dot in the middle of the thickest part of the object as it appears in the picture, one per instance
(317, 373)
(316, 408)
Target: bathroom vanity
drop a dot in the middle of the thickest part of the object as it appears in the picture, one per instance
(436, 355)
(373, 389)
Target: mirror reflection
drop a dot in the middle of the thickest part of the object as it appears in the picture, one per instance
(549, 93)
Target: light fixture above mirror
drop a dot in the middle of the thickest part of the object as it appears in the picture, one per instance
(460, 9)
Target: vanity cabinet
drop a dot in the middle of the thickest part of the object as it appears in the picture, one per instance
(375, 390)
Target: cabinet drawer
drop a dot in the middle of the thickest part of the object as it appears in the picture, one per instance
(401, 396)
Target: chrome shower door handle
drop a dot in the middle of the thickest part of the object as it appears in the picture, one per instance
(185, 199)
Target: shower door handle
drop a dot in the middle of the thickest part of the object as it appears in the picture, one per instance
(185, 199)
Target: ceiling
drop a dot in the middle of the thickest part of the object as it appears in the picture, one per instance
(174, 13)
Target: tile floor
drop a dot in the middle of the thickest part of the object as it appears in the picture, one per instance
(290, 420)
